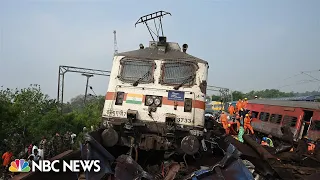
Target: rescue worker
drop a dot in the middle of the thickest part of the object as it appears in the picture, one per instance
(247, 124)
(267, 141)
(231, 109)
(311, 146)
(224, 122)
(238, 105)
(242, 113)
(244, 103)
(316, 152)
(264, 142)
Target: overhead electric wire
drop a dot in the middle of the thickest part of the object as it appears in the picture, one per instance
(310, 76)
(297, 83)
(304, 81)
(312, 71)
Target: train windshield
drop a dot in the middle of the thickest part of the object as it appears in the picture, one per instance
(177, 73)
(133, 70)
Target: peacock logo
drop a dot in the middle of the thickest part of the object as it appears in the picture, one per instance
(19, 166)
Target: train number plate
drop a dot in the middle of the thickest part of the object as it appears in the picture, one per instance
(116, 113)
(184, 120)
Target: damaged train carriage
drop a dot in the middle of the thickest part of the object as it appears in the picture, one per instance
(156, 98)
(269, 116)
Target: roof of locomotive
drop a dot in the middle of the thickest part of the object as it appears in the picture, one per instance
(297, 104)
(152, 53)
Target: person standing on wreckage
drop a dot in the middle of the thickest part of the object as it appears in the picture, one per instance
(241, 128)
(224, 122)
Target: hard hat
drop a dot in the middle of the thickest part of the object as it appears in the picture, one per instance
(241, 109)
(306, 137)
(229, 125)
(255, 96)
(245, 98)
(264, 139)
(247, 114)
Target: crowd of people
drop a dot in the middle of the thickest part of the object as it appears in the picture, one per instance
(243, 118)
(45, 149)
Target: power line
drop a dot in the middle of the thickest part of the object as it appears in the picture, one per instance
(310, 76)
(318, 70)
(297, 83)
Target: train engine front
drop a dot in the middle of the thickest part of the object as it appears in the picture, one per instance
(156, 99)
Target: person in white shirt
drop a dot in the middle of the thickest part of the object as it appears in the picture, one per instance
(34, 157)
(34, 148)
(72, 138)
(42, 147)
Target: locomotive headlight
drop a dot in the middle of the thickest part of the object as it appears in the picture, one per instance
(149, 100)
(119, 98)
(187, 105)
(157, 101)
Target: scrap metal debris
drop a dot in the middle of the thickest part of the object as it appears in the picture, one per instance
(217, 156)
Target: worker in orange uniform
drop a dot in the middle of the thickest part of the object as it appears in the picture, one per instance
(247, 124)
(231, 109)
(244, 103)
(224, 122)
(238, 105)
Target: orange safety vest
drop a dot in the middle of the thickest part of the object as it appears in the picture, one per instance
(238, 105)
(224, 118)
(231, 109)
(244, 104)
(247, 121)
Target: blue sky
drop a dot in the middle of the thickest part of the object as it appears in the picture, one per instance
(250, 45)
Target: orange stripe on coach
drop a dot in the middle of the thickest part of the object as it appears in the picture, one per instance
(195, 103)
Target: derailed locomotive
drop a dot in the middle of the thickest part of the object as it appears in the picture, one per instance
(156, 98)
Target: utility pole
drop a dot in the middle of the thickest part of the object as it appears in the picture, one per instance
(85, 95)
(115, 42)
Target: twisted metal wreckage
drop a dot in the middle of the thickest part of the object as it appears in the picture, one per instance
(222, 157)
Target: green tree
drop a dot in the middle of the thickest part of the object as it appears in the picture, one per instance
(215, 98)
(237, 95)
(28, 114)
